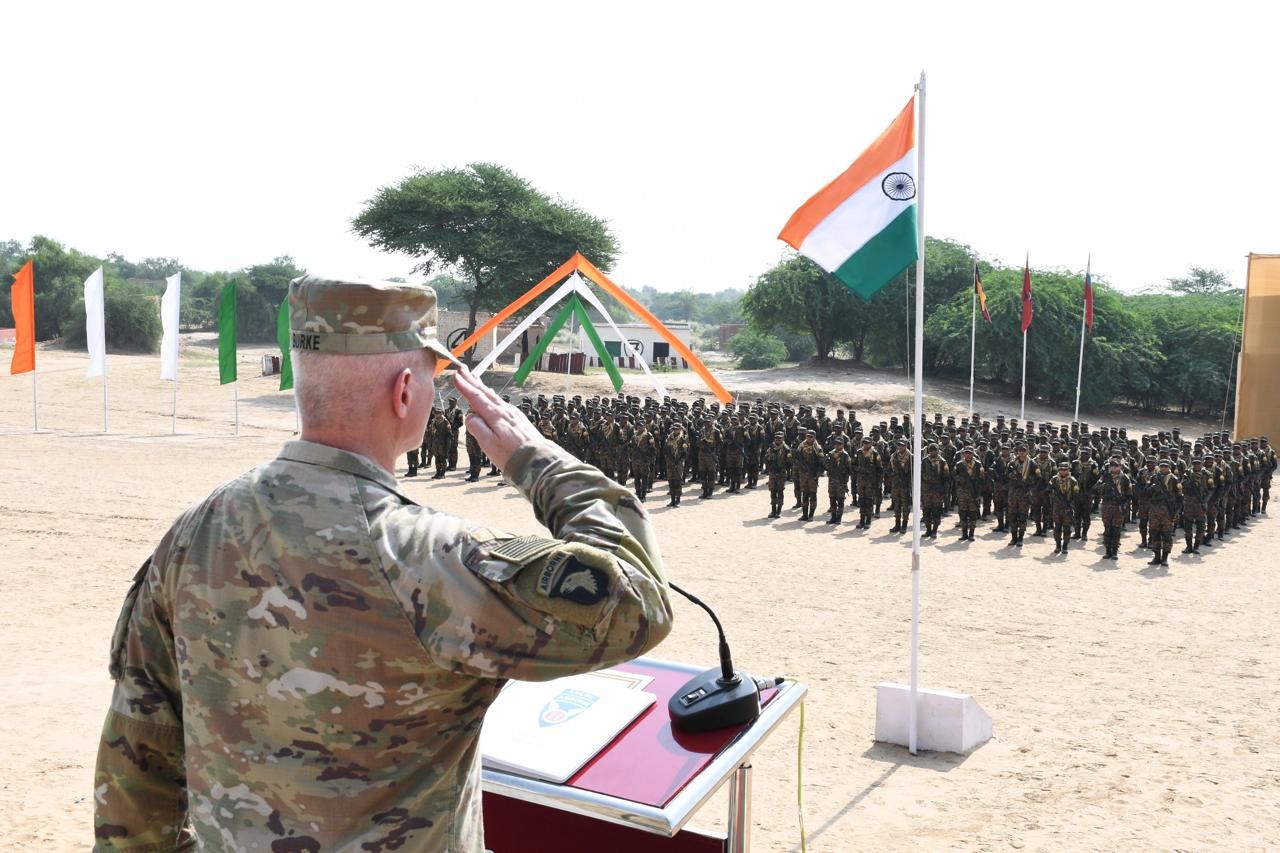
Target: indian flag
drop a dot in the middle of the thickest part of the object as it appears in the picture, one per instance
(861, 227)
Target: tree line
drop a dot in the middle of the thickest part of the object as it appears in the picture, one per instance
(132, 291)
(484, 235)
(1170, 347)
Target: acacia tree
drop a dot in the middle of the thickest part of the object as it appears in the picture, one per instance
(486, 225)
(799, 296)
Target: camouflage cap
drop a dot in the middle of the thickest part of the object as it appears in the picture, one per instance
(355, 317)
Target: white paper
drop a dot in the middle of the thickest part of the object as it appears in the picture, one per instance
(169, 306)
(95, 324)
(549, 730)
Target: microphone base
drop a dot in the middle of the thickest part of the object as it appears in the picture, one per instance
(707, 702)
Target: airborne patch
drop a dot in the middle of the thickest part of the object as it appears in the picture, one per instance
(566, 577)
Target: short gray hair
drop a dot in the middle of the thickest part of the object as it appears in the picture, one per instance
(334, 390)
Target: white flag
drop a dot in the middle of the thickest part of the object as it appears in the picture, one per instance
(95, 324)
(169, 304)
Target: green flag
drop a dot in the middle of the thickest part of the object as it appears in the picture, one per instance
(554, 326)
(592, 335)
(227, 333)
(282, 338)
(574, 306)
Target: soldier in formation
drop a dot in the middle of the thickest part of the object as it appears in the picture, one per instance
(973, 466)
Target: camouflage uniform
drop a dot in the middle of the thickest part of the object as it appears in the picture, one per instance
(934, 477)
(1023, 477)
(305, 660)
(777, 460)
(642, 453)
(839, 467)
(869, 476)
(1064, 493)
(438, 433)
(1197, 492)
(901, 477)
(675, 452)
(708, 444)
(1165, 496)
(968, 478)
(1114, 489)
(475, 458)
(808, 466)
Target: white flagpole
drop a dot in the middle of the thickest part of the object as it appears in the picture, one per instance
(1022, 407)
(1080, 368)
(973, 338)
(175, 406)
(104, 395)
(913, 720)
(235, 390)
(35, 403)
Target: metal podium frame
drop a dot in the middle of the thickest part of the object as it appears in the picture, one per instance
(731, 764)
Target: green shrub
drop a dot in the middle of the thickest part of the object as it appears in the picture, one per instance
(132, 315)
(756, 351)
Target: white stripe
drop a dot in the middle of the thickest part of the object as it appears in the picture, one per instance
(586, 294)
(860, 217)
(95, 324)
(533, 317)
(169, 309)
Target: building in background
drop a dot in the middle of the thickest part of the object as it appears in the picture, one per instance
(453, 329)
(645, 341)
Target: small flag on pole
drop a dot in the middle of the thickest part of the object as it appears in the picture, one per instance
(1088, 300)
(22, 298)
(170, 305)
(861, 227)
(95, 324)
(282, 339)
(227, 333)
(1026, 295)
(982, 294)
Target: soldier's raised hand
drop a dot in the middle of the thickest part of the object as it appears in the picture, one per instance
(499, 427)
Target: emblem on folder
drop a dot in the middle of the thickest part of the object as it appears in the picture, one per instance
(566, 705)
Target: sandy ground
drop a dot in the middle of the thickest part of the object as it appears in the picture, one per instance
(1133, 709)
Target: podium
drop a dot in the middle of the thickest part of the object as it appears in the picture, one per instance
(639, 792)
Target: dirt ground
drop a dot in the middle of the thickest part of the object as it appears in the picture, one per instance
(1133, 709)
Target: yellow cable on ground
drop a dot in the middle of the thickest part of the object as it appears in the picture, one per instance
(800, 778)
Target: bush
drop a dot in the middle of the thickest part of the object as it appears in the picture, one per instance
(756, 351)
(132, 315)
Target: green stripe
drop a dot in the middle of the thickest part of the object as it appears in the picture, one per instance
(227, 333)
(552, 329)
(282, 338)
(609, 367)
(882, 257)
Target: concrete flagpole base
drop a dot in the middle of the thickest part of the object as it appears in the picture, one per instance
(948, 722)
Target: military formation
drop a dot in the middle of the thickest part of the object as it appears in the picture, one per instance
(1052, 478)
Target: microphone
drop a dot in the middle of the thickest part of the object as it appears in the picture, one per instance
(719, 697)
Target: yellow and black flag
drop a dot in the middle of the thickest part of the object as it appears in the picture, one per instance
(982, 296)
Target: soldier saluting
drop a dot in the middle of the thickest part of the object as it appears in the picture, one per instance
(305, 660)
(1114, 489)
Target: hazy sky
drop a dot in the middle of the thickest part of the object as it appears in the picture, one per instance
(227, 133)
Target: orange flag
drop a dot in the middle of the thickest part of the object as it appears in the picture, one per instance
(23, 300)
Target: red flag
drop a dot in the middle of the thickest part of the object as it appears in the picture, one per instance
(1026, 296)
(23, 301)
(1088, 300)
(982, 296)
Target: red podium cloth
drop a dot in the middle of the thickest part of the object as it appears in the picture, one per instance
(650, 762)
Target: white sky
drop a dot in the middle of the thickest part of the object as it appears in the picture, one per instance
(227, 133)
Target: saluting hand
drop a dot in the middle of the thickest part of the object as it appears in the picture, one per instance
(499, 427)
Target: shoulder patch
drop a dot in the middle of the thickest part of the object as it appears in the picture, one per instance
(564, 576)
(523, 550)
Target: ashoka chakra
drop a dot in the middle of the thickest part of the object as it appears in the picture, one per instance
(899, 186)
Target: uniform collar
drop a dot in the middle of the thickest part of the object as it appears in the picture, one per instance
(311, 453)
